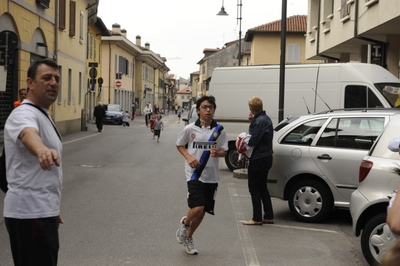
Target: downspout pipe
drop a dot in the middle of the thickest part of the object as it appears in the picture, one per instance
(55, 55)
(384, 44)
(109, 71)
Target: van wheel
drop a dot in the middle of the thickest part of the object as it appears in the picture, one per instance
(231, 158)
(310, 201)
(376, 239)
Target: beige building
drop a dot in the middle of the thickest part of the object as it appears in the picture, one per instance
(356, 30)
(183, 97)
(133, 74)
(118, 60)
(196, 88)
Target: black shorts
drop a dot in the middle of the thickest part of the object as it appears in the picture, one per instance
(202, 194)
(157, 132)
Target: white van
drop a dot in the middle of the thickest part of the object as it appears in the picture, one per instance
(309, 88)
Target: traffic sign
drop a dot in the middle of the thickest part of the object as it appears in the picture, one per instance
(118, 83)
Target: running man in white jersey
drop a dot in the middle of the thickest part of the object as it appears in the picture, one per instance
(206, 140)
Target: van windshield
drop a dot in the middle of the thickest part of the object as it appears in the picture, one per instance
(391, 92)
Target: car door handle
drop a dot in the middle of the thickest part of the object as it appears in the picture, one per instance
(324, 157)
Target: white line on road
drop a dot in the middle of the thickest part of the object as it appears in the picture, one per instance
(68, 142)
(301, 228)
(247, 245)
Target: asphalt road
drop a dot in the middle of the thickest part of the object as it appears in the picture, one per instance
(124, 195)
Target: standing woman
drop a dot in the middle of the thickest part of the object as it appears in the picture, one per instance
(261, 131)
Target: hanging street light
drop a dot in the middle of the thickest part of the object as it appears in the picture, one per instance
(222, 12)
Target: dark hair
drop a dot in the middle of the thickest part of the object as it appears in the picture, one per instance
(33, 68)
(210, 99)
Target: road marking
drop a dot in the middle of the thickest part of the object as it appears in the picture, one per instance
(287, 226)
(247, 245)
(68, 142)
(301, 228)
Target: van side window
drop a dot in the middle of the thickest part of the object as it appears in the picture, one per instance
(355, 96)
(352, 133)
(304, 134)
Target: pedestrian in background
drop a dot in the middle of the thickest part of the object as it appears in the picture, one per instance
(99, 113)
(34, 171)
(261, 131)
(125, 119)
(179, 113)
(206, 141)
(152, 122)
(22, 93)
(147, 113)
(158, 126)
(133, 111)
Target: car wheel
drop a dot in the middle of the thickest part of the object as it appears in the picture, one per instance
(376, 239)
(231, 158)
(310, 201)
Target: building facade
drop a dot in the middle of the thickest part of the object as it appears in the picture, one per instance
(31, 30)
(356, 30)
(134, 74)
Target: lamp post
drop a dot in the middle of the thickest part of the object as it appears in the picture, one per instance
(238, 18)
(282, 63)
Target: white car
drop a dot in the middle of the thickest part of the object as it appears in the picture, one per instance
(192, 115)
(316, 159)
(368, 204)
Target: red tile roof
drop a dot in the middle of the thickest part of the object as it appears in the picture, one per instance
(187, 90)
(297, 23)
(294, 25)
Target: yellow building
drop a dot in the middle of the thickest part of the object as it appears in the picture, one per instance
(58, 30)
(95, 91)
(27, 33)
(266, 41)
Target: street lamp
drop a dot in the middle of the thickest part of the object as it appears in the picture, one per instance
(238, 18)
(282, 62)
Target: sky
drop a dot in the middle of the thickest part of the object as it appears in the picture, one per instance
(180, 30)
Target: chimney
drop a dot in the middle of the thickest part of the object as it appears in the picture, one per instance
(138, 41)
(147, 46)
(123, 32)
(116, 28)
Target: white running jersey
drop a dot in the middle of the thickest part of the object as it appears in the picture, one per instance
(200, 141)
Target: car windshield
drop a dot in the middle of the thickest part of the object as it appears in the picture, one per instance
(391, 92)
(113, 107)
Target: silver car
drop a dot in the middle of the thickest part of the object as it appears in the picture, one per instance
(317, 157)
(368, 204)
(192, 115)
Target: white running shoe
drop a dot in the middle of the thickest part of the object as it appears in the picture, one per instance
(182, 231)
(190, 248)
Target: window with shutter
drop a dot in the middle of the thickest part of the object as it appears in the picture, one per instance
(61, 17)
(72, 17)
(293, 53)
